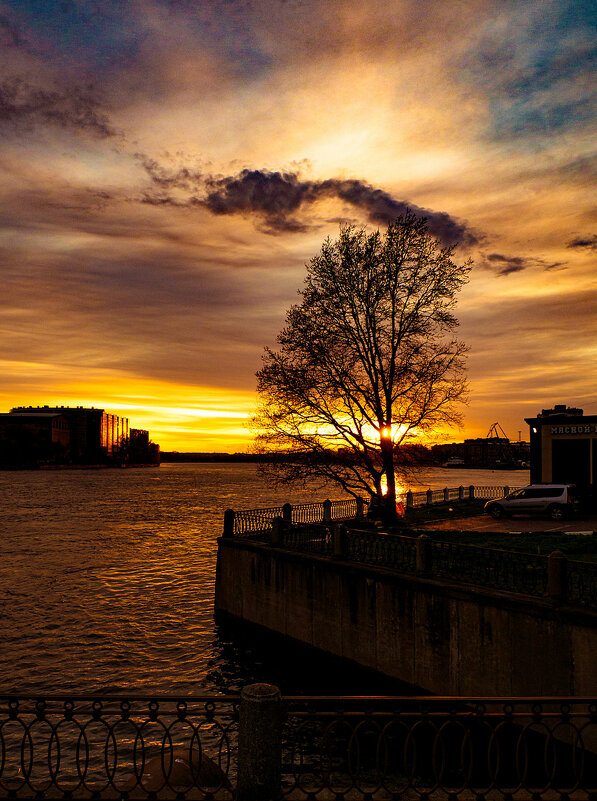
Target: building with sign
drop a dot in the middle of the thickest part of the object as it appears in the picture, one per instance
(563, 447)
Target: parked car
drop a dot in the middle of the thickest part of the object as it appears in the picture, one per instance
(555, 500)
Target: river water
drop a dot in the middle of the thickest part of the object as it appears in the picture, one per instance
(107, 582)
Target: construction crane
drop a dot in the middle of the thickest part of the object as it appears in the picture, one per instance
(502, 452)
(495, 430)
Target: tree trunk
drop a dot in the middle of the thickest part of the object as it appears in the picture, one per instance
(387, 452)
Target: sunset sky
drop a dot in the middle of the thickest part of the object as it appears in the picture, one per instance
(168, 167)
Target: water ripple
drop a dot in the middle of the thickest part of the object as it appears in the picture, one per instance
(107, 582)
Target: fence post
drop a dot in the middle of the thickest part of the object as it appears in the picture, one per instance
(287, 512)
(429, 497)
(461, 493)
(278, 531)
(446, 495)
(327, 510)
(423, 554)
(410, 501)
(471, 492)
(228, 523)
(506, 491)
(259, 743)
(338, 534)
(360, 508)
(557, 569)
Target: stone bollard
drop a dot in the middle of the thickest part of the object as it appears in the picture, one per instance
(446, 495)
(327, 510)
(287, 512)
(228, 523)
(429, 497)
(360, 508)
(410, 501)
(557, 570)
(471, 492)
(423, 555)
(461, 493)
(338, 535)
(259, 743)
(278, 532)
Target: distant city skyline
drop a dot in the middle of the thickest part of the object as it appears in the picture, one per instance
(168, 168)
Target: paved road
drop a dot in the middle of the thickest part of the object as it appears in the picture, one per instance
(511, 525)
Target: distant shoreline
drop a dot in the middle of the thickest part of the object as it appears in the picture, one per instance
(176, 456)
(179, 457)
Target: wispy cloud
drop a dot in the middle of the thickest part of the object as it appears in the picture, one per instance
(23, 104)
(506, 265)
(585, 242)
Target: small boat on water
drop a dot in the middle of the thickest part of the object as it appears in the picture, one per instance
(455, 461)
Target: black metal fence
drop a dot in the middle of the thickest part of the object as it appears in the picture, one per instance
(440, 748)
(111, 747)
(373, 548)
(490, 567)
(260, 745)
(565, 580)
(247, 522)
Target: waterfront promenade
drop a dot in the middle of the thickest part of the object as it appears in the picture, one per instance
(452, 619)
(65, 745)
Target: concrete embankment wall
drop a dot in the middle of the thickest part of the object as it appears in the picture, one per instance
(446, 638)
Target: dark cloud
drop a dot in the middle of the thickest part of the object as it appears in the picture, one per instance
(77, 108)
(506, 265)
(381, 207)
(277, 197)
(589, 242)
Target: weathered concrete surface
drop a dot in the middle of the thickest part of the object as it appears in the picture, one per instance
(446, 638)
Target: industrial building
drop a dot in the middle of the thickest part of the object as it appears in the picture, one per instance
(33, 437)
(495, 450)
(37, 436)
(94, 434)
(564, 447)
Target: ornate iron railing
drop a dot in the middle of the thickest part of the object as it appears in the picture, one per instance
(343, 509)
(248, 522)
(339, 747)
(582, 583)
(307, 513)
(385, 550)
(90, 747)
(309, 539)
(571, 582)
(489, 567)
(440, 748)
(254, 521)
(488, 493)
